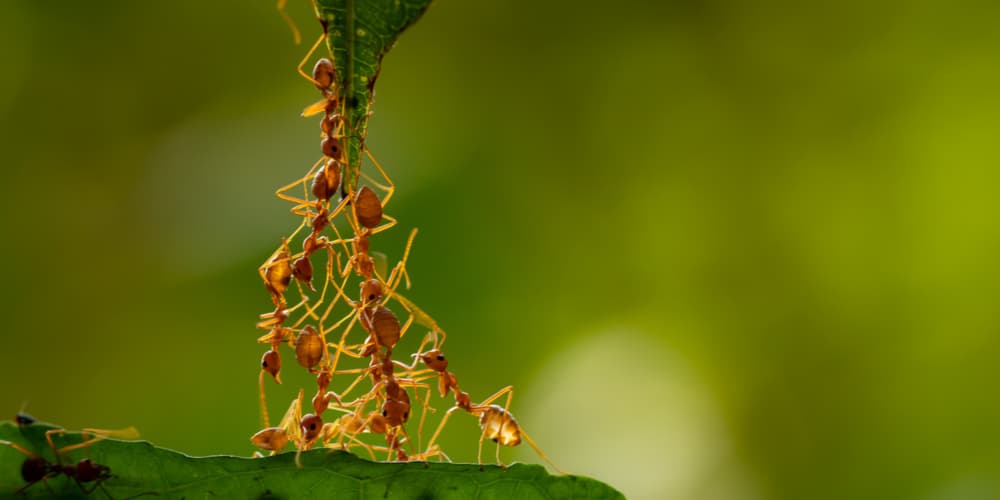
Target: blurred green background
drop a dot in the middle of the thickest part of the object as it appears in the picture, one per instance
(723, 250)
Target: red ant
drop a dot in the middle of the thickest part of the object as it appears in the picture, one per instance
(37, 469)
(496, 421)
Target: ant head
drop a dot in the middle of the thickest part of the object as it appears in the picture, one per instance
(311, 426)
(367, 208)
(270, 439)
(309, 347)
(435, 360)
(332, 149)
(324, 74)
(271, 363)
(34, 469)
(371, 291)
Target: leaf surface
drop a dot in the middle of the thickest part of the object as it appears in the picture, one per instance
(138, 467)
(360, 33)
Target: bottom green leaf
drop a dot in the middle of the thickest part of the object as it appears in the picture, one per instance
(137, 468)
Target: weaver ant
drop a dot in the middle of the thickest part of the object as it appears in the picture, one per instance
(36, 468)
(496, 422)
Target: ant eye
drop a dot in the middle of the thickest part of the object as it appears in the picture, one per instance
(371, 297)
(440, 357)
(385, 413)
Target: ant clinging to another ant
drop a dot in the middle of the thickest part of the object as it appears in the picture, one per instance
(336, 195)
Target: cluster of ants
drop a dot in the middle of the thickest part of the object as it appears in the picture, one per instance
(330, 194)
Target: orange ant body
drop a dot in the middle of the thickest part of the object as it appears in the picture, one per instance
(366, 216)
(496, 423)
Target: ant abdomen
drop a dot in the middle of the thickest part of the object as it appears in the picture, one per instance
(278, 274)
(309, 347)
(500, 426)
(324, 74)
(34, 469)
(326, 181)
(367, 208)
(385, 327)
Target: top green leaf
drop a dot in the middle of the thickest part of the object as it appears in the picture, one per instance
(360, 33)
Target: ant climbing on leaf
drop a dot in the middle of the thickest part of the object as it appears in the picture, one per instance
(37, 469)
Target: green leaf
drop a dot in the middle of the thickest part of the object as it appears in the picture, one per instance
(360, 33)
(138, 467)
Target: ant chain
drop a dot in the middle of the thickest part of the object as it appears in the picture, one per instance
(347, 311)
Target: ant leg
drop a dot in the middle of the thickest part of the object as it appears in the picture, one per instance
(263, 402)
(391, 188)
(531, 442)
(48, 437)
(509, 390)
(306, 60)
(19, 448)
(83, 444)
(96, 485)
(479, 455)
(423, 415)
(343, 339)
(392, 222)
(399, 271)
(44, 480)
(420, 316)
(441, 425)
(299, 203)
(289, 22)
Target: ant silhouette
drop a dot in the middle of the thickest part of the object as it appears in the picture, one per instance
(37, 469)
